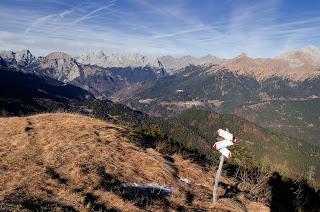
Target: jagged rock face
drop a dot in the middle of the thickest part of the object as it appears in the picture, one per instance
(95, 57)
(131, 60)
(168, 63)
(24, 57)
(58, 65)
(21, 58)
(9, 57)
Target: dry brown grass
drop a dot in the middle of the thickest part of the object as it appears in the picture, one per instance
(67, 160)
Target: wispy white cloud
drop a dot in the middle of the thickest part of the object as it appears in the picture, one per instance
(54, 18)
(157, 28)
(91, 14)
(173, 34)
(64, 13)
(39, 21)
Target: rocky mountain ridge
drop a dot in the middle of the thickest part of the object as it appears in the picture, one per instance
(20, 58)
(57, 65)
(97, 57)
(169, 63)
(264, 68)
(296, 64)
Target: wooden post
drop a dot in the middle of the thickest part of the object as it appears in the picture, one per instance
(216, 180)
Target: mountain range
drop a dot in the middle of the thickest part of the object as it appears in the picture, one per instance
(289, 64)
(114, 72)
(289, 61)
(168, 63)
(166, 85)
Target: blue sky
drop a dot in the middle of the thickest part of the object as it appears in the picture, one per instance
(224, 28)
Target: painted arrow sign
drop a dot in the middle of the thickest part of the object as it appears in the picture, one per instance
(227, 136)
(222, 144)
(225, 152)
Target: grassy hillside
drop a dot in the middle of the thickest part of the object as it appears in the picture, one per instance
(70, 162)
(289, 156)
(22, 93)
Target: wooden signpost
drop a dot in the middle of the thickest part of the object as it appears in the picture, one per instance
(221, 146)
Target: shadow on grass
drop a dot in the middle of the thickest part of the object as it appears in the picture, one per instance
(21, 200)
(288, 195)
(141, 195)
(56, 176)
(96, 206)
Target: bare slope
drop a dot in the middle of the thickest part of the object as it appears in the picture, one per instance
(72, 162)
(265, 68)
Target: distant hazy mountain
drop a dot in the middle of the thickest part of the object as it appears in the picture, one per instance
(96, 57)
(173, 64)
(309, 55)
(297, 64)
(169, 63)
(264, 68)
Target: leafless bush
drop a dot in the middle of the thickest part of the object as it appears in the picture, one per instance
(298, 193)
(255, 183)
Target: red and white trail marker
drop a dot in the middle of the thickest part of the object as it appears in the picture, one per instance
(221, 146)
(227, 136)
(225, 152)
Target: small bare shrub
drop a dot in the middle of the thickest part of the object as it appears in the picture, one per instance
(257, 184)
